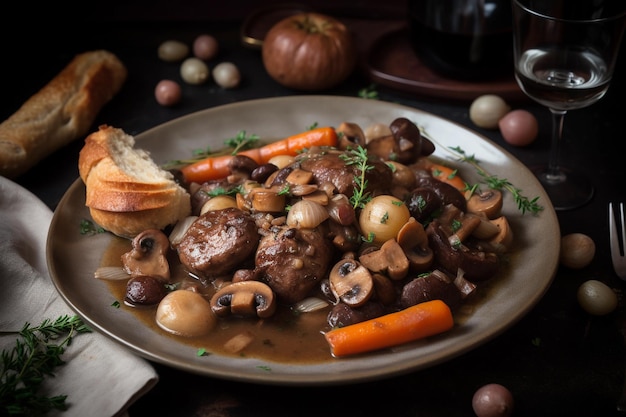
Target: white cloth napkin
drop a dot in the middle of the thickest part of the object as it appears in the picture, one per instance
(100, 377)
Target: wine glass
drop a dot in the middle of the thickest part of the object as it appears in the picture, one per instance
(564, 55)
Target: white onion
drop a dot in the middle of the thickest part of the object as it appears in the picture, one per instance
(306, 214)
(180, 229)
(309, 305)
(111, 273)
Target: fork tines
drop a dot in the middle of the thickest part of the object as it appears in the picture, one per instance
(617, 238)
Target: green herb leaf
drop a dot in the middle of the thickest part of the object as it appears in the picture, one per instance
(35, 357)
(524, 204)
(358, 156)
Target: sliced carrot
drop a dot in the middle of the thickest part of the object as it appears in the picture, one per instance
(413, 323)
(448, 175)
(213, 168)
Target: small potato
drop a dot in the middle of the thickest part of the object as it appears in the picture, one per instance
(173, 51)
(493, 400)
(167, 93)
(487, 110)
(519, 127)
(577, 250)
(596, 298)
(205, 47)
(226, 75)
(194, 71)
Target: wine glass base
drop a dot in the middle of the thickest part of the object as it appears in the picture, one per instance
(566, 191)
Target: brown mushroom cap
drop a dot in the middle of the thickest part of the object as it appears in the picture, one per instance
(488, 202)
(148, 255)
(413, 240)
(351, 135)
(244, 298)
(389, 260)
(351, 282)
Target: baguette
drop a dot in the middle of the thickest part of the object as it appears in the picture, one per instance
(126, 192)
(62, 111)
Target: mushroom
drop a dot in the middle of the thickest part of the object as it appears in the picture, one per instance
(385, 290)
(413, 240)
(350, 134)
(389, 260)
(144, 290)
(351, 282)
(436, 285)
(185, 313)
(342, 314)
(478, 264)
(488, 202)
(148, 255)
(504, 239)
(244, 298)
(403, 128)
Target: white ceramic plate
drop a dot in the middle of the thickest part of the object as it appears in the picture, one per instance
(73, 258)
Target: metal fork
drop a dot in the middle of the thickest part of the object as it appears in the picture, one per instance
(618, 257)
(617, 251)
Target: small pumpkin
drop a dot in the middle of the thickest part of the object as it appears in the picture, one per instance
(309, 51)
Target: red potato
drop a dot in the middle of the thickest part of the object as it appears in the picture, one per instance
(519, 127)
(167, 93)
(493, 400)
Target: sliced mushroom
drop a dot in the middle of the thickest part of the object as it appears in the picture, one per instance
(389, 260)
(413, 240)
(148, 255)
(504, 238)
(488, 202)
(487, 229)
(267, 200)
(351, 282)
(244, 298)
(478, 264)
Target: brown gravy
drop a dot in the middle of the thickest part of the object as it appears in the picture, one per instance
(286, 337)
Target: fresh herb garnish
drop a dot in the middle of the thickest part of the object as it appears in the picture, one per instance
(241, 142)
(358, 157)
(524, 204)
(34, 358)
(369, 92)
(87, 227)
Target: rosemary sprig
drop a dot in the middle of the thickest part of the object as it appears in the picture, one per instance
(33, 358)
(524, 204)
(358, 156)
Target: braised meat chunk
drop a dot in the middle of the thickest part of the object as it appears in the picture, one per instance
(218, 242)
(292, 261)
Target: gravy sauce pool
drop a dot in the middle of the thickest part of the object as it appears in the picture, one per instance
(287, 337)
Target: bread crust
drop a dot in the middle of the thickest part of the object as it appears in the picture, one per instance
(126, 192)
(62, 111)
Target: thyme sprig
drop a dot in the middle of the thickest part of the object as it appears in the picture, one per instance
(241, 141)
(33, 358)
(358, 156)
(524, 204)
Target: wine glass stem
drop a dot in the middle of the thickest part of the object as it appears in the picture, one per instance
(554, 173)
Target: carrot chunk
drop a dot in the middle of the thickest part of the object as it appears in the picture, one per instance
(213, 168)
(447, 175)
(413, 323)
